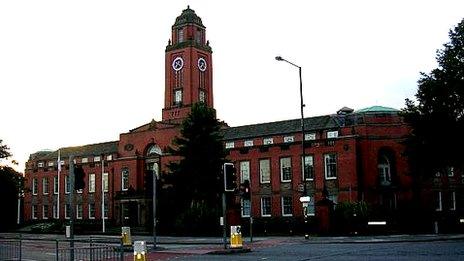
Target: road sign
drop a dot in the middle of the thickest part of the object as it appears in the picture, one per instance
(305, 199)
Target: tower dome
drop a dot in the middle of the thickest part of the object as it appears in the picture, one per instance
(188, 16)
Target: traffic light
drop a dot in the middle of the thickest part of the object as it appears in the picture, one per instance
(79, 178)
(230, 177)
(245, 189)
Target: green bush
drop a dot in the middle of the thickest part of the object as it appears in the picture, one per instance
(350, 217)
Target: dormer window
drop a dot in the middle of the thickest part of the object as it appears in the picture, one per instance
(288, 139)
(248, 143)
(310, 136)
(230, 145)
(268, 141)
(332, 134)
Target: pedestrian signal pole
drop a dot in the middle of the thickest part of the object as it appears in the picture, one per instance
(230, 185)
(71, 203)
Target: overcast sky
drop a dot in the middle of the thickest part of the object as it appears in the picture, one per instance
(82, 72)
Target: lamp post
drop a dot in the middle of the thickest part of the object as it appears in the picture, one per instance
(155, 177)
(103, 193)
(304, 199)
(279, 58)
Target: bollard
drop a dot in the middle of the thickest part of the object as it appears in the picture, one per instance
(236, 237)
(126, 236)
(140, 250)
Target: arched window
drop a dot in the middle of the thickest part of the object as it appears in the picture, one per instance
(153, 150)
(384, 170)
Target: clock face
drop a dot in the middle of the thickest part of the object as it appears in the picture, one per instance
(177, 64)
(202, 64)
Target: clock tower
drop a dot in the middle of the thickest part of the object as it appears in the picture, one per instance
(188, 67)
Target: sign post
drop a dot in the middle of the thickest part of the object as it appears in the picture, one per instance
(305, 201)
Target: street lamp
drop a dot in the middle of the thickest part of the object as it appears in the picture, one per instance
(304, 199)
(279, 58)
(155, 177)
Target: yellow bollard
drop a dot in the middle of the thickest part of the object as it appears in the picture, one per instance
(126, 236)
(140, 250)
(236, 237)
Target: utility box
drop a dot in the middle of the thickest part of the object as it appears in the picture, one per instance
(140, 250)
(126, 236)
(236, 237)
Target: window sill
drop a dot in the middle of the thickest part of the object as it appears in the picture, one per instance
(329, 178)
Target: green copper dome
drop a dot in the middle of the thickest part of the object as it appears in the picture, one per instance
(188, 16)
(377, 109)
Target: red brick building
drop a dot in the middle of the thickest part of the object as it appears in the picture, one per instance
(128, 162)
(349, 155)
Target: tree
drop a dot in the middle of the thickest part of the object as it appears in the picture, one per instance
(11, 184)
(196, 178)
(437, 120)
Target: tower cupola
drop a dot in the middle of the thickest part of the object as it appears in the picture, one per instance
(188, 67)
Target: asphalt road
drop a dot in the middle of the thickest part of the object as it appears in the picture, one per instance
(425, 247)
(438, 250)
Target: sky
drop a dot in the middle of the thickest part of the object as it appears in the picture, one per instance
(82, 72)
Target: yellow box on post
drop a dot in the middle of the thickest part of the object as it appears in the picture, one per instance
(236, 237)
(140, 251)
(126, 236)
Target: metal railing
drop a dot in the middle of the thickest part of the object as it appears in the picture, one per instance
(91, 253)
(94, 248)
(10, 249)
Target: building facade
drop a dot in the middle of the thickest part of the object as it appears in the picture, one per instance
(349, 156)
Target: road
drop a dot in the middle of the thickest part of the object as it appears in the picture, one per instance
(438, 250)
(401, 247)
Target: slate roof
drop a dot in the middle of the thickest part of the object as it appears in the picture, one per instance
(279, 127)
(78, 151)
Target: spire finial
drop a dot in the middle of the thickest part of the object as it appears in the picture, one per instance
(188, 6)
